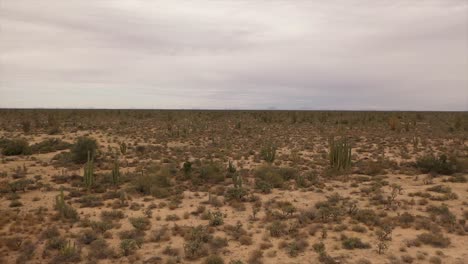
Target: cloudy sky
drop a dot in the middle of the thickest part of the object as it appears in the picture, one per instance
(256, 54)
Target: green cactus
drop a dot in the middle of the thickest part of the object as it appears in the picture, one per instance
(89, 172)
(231, 168)
(237, 179)
(68, 249)
(123, 148)
(116, 172)
(340, 154)
(65, 210)
(269, 153)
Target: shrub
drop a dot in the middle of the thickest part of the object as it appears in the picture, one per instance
(99, 249)
(216, 218)
(277, 229)
(81, 148)
(436, 240)
(15, 147)
(140, 223)
(128, 246)
(195, 246)
(112, 215)
(214, 259)
(211, 173)
(440, 165)
(367, 216)
(268, 177)
(354, 242)
(50, 145)
(156, 184)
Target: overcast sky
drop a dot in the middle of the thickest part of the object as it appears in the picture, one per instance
(330, 54)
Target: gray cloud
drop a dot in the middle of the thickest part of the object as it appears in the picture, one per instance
(408, 55)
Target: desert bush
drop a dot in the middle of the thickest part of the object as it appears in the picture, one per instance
(268, 177)
(216, 218)
(436, 240)
(255, 257)
(296, 247)
(442, 215)
(196, 240)
(87, 236)
(128, 246)
(99, 249)
(101, 226)
(81, 148)
(214, 259)
(367, 216)
(440, 165)
(50, 145)
(26, 252)
(156, 184)
(353, 243)
(211, 173)
(15, 147)
(90, 201)
(277, 229)
(140, 223)
(112, 215)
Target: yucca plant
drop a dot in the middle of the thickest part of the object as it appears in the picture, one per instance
(340, 154)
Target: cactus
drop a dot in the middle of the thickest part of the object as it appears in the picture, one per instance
(237, 179)
(123, 148)
(68, 249)
(269, 153)
(116, 172)
(89, 172)
(340, 154)
(231, 168)
(65, 210)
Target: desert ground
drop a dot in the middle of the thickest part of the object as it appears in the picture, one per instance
(154, 186)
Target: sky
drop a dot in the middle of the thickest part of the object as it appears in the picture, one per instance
(243, 54)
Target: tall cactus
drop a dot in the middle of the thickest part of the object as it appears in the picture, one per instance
(116, 172)
(237, 179)
(340, 154)
(89, 172)
(65, 211)
(123, 148)
(231, 168)
(269, 153)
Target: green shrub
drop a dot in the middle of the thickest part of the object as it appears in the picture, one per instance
(140, 223)
(436, 240)
(15, 147)
(216, 218)
(214, 259)
(128, 246)
(354, 242)
(211, 173)
(367, 216)
(50, 145)
(156, 184)
(81, 148)
(440, 165)
(268, 177)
